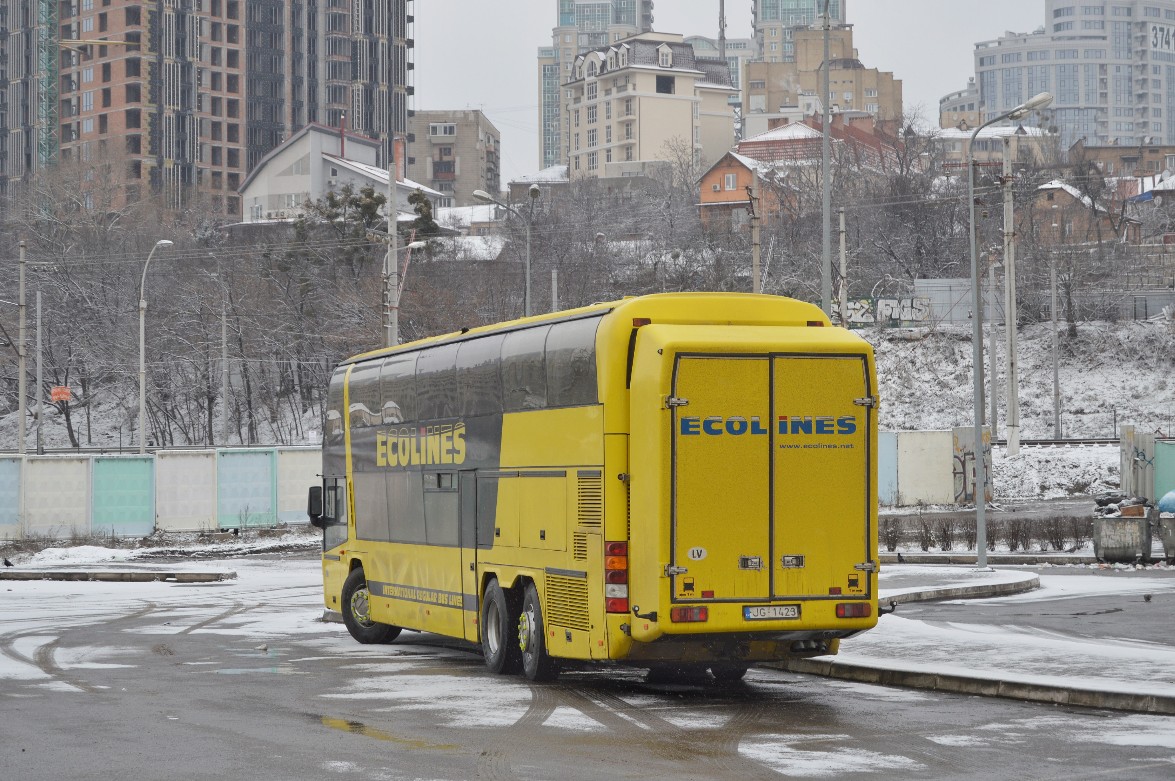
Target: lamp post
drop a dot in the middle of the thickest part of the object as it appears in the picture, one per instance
(826, 176)
(142, 345)
(1037, 102)
(534, 193)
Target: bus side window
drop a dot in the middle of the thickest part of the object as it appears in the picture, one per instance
(365, 410)
(398, 386)
(571, 363)
(436, 386)
(524, 369)
(479, 382)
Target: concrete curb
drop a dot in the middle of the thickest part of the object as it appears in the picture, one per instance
(1027, 559)
(118, 576)
(978, 591)
(983, 687)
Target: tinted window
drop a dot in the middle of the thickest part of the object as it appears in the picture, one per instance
(479, 383)
(436, 383)
(332, 426)
(524, 369)
(399, 388)
(571, 363)
(365, 409)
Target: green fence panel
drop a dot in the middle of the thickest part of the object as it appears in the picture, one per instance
(10, 494)
(122, 500)
(1164, 468)
(246, 488)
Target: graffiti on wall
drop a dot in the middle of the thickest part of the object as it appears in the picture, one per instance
(895, 312)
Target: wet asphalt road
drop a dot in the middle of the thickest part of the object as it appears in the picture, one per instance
(240, 680)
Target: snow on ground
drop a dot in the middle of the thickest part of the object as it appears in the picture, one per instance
(1055, 472)
(1013, 652)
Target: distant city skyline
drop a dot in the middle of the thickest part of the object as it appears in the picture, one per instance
(470, 55)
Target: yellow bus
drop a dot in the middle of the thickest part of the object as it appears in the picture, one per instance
(682, 480)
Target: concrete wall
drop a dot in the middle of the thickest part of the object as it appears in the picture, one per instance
(925, 468)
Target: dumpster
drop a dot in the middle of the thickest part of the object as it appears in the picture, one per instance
(1122, 539)
(1166, 531)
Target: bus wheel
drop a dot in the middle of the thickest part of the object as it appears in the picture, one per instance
(356, 612)
(499, 632)
(537, 665)
(728, 672)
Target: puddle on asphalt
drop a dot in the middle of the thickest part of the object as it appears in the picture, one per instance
(359, 728)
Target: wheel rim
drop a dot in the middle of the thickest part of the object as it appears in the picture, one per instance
(360, 607)
(526, 626)
(493, 629)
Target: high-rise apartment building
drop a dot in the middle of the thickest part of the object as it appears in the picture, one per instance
(784, 90)
(582, 25)
(186, 96)
(1110, 65)
(774, 22)
(455, 153)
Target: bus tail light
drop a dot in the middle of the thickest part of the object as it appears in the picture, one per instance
(853, 610)
(684, 615)
(616, 577)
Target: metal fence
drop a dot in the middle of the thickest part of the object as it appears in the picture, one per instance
(61, 496)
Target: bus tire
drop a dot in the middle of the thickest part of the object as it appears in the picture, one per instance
(356, 610)
(728, 672)
(537, 664)
(499, 631)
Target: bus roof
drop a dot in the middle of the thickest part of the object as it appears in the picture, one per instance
(732, 308)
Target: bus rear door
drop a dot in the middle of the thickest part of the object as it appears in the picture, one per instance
(770, 486)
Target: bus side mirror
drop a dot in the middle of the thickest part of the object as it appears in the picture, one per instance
(314, 506)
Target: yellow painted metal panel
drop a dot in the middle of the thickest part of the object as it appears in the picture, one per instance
(821, 470)
(722, 487)
(542, 512)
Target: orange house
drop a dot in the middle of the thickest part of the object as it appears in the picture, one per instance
(726, 190)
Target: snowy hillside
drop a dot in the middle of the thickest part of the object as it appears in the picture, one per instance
(1123, 372)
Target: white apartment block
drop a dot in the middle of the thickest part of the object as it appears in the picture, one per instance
(583, 25)
(626, 103)
(1110, 65)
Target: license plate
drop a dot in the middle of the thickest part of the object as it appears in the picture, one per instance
(769, 612)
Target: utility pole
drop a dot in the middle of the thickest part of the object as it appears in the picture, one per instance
(1011, 318)
(554, 290)
(826, 255)
(756, 246)
(991, 349)
(40, 380)
(391, 270)
(1056, 350)
(224, 428)
(22, 356)
(844, 272)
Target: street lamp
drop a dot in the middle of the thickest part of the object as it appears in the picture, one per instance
(142, 345)
(534, 193)
(393, 283)
(1037, 102)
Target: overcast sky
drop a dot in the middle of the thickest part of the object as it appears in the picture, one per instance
(482, 54)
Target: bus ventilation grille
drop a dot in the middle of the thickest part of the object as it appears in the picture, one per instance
(567, 602)
(579, 545)
(591, 500)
